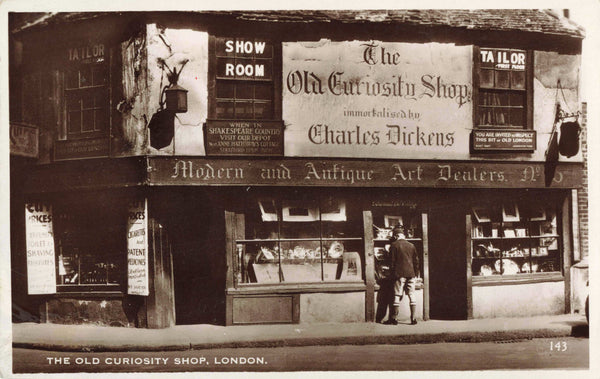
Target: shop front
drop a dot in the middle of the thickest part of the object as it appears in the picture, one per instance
(223, 168)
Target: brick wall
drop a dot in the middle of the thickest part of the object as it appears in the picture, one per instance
(583, 192)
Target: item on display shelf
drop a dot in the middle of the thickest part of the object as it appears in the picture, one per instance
(311, 254)
(485, 270)
(335, 250)
(267, 253)
(526, 268)
(299, 252)
(506, 266)
(509, 233)
(513, 252)
(382, 233)
(521, 232)
(547, 266)
(488, 250)
(380, 253)
(543, 251)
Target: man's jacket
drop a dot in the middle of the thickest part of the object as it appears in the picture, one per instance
(405, 260)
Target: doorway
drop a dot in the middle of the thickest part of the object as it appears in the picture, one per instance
(447, 263)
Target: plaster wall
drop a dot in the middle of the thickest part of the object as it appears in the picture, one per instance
(520, 300)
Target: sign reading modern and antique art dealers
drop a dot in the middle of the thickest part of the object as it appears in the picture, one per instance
(41, 265)
(377, 99)
(137, 249)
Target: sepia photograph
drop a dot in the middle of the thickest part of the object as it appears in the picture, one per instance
(288, 190)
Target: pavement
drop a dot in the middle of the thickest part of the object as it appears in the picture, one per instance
(57, 337)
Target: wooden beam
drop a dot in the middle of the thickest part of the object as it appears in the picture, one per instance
(369, 266)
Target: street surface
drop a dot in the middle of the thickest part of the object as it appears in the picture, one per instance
(572, 353)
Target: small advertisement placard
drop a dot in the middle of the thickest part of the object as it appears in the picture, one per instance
(137, 249)
(512, 140)
(244, 137)
(41, 265)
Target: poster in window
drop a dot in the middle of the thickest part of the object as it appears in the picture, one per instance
(41, 272)
(137, 249)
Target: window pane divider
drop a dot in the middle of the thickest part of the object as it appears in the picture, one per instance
(299, 239)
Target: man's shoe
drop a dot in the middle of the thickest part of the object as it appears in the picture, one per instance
(413, 322)
(391, 322)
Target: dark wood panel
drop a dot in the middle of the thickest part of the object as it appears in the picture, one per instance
(267, 309)
(358, 173)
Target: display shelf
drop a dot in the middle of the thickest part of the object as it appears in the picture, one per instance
(408, 239)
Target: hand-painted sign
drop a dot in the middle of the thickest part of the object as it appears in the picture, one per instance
(513, 140)
(377, 99)
(41, 264)
(243, 137)
(137, 249)
(359, 173)
(24, 140)
(503, 59)
(239, 58)
(86, 54)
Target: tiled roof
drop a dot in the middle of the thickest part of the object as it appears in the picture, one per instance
(527, 20)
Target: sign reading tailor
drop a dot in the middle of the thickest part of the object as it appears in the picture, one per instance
(137, 249)
(243, 137)
(377, 99)
(503, 59)
(41, 270)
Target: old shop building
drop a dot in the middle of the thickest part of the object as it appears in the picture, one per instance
(246, 167)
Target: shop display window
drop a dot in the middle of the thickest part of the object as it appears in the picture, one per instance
(384, 220)
(300, 240)
(515, 239)
(90, 249)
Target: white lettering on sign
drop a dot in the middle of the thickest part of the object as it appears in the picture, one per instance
(245, 47)
(504, 59)
(86, 52)
(244, 70)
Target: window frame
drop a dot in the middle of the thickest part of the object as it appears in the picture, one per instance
(105, 90)
(213, 77)
(528, 90)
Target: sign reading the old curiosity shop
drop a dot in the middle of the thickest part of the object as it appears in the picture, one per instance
(243, 137)
(377, 99)
(41, 269)
(137, 249)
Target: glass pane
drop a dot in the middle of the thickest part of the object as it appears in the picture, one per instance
(518, 79)
(258, 262)
(244, 91)
(264, 69)
(263, 91)
(101, 118)
(87, 100)
(516, 117)
(500, 98)
(225, 109)
(517, 99)
(72, 79)
(243, 110)
(225, 90)
(244, 68)
(73, 122)
(263, 111)
(221, 47)
(485, 116)
(85, 77)
(88, 121)
(300, 261)
(100, 98)
(226, 67)
(100, 75)
(73, 104)
(500, 116)
(502, 79)
(486, 78)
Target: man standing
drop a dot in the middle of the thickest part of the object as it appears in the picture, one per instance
(404, 266)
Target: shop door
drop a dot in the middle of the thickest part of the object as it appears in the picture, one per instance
(447, 265)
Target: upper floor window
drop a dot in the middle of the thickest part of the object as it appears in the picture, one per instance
(503, 86)
(86, 91)
(244, 87)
